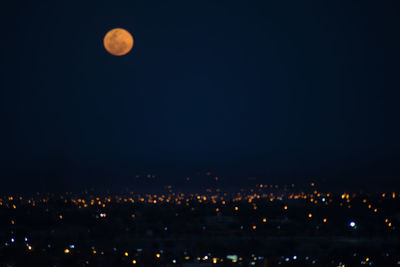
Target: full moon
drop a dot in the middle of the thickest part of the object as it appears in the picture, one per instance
(118, 42)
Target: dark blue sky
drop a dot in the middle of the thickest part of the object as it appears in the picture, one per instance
(270, 89)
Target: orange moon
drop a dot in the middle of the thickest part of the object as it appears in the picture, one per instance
(118, 42)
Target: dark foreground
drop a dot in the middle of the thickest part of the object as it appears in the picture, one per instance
(262, 226)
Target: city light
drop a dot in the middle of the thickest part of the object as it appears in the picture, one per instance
(208, 214)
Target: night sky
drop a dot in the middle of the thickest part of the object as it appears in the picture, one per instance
(277, 90)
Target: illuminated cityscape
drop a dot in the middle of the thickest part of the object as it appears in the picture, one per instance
(263, 225)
